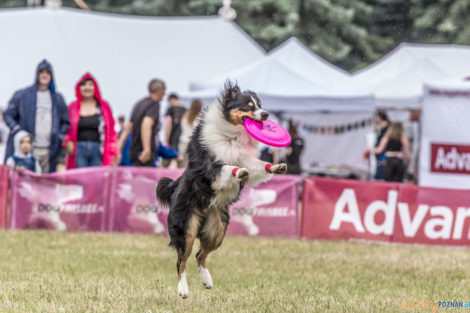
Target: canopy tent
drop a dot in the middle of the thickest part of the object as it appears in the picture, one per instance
(123, 52)
(397, 79)
(294, 55)
(330, 139)
(283, 89)
(405, 90)
(445, 141)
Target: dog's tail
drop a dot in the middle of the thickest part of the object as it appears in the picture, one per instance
(165, 188)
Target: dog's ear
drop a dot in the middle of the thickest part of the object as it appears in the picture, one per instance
(230, 91)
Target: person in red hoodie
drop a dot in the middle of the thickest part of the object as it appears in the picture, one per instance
(91, 139)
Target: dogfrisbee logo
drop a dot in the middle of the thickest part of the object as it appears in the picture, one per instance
(143, 215)
(450, 158)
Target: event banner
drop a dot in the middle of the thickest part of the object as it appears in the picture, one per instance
(444, 160)
(123, 199)
(133, 204)
(4, 171)
(270, 209)
(73, 200)
(344, 209)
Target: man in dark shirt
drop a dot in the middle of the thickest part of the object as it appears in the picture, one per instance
(143, 125)
(173, 121)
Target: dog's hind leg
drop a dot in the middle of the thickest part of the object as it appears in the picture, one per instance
(212, 235)
(183, 255)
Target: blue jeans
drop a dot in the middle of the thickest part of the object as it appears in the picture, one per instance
(88, 154)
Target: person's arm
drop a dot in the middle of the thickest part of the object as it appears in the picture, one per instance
(112, 141)
(146, 137)
(64, 121)
(11, 115)
(406, 148)
(168, 125)
(289, 150)
(10, 162)
(67, 143)
(124, 135)
(275, 156)
(381, 147)
(82, 5)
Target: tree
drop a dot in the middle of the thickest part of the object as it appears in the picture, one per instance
(439, 21)
(339, 31)
(392, 18)
(348, 33)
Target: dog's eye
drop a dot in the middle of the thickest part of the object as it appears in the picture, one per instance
(259, 104)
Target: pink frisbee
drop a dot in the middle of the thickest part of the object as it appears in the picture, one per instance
(268, 132)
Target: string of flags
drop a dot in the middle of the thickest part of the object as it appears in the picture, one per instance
(337, 129)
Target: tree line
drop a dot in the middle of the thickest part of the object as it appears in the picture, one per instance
(348, 33)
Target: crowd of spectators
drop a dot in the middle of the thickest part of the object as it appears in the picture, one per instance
(42, 134)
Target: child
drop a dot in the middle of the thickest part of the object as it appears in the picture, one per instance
(22, 158)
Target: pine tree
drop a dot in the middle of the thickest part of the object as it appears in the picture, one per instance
(338, 31)
(392, 18)
(438, 21)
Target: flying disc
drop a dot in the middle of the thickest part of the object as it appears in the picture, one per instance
(268, 132)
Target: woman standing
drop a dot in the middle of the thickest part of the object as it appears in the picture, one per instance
(91, 139)
(395, 145)
(188, 124)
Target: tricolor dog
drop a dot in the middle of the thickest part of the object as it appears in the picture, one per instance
(221, 159)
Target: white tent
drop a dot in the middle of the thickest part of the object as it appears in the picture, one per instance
(122, 52)
(445, 141)
(331, 139)
(294, 55)
(283, 89)
(397, 79)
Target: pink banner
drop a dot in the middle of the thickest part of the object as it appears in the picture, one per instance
(73, 200)
(343, 209)
(4, 171)
(123, 199)
(133, 201)
(270, 209)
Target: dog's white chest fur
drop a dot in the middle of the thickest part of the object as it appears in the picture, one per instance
(228, 143)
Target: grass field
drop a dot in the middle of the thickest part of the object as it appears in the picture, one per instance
(76, 272)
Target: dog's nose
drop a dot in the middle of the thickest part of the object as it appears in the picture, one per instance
(264, 116)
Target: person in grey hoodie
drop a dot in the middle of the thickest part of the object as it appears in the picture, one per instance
(22, 157)
(42, 112)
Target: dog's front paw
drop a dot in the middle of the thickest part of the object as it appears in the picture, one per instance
(279, 169)
(242, 174)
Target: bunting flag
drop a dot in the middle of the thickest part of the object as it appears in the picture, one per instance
(337, 129)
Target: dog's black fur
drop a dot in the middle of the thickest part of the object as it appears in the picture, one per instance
(195, 209)
(192, 190)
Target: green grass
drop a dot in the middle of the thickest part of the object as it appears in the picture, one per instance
(76, 272)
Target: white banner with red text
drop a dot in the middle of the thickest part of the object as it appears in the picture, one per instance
(444, 160)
